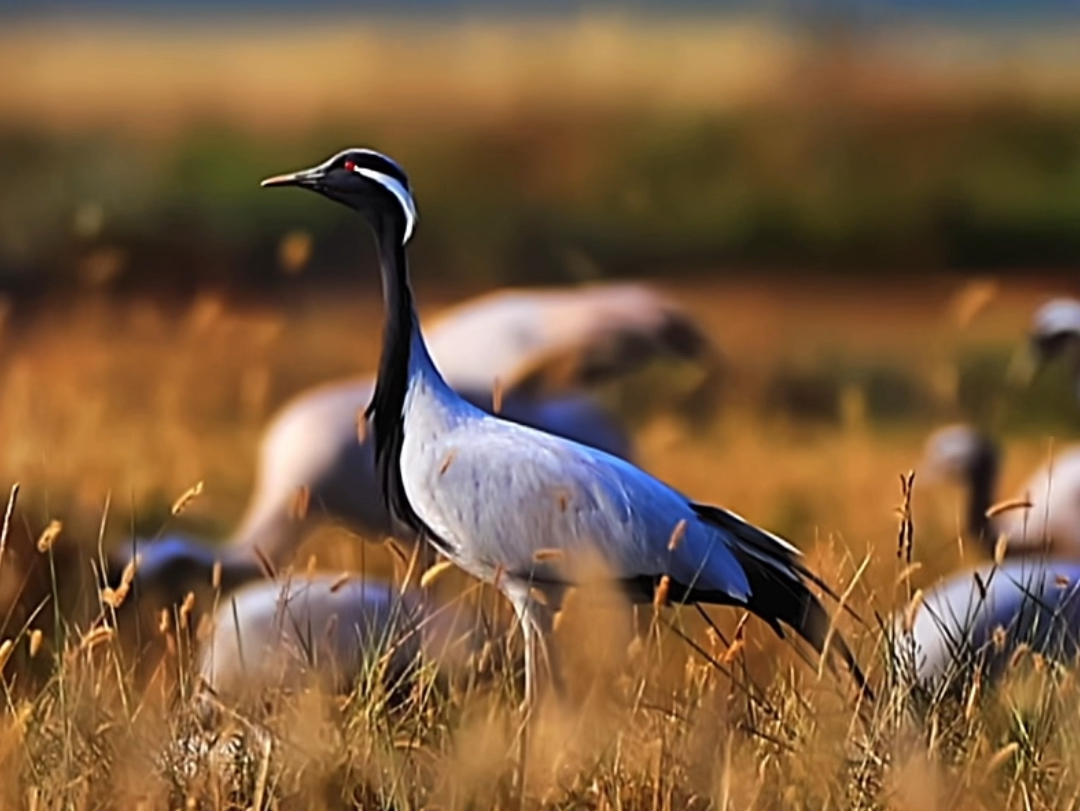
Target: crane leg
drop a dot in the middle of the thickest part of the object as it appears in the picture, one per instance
(536, 623)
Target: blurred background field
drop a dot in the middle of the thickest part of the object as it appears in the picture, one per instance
(545, 146)
(862, 206)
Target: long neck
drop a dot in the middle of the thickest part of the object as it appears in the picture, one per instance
(404, 354)
(982, 482)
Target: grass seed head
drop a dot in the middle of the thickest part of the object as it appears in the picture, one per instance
(103, 633)
(49, 535)
(36, 640)
(544, 555)
(215, 576)
(1001, 548)
(660, 597)
(434, 573)
(114, 598)
(186, 498)
(999, 638)
(677, 536)
(6, 647)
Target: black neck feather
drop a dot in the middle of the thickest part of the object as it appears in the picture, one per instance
(982, 480)
(391, 386)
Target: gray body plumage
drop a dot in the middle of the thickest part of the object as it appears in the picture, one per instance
(310, 631)
(1033, 601)
(548, 492)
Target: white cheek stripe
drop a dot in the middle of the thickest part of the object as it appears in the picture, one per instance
(393, 185)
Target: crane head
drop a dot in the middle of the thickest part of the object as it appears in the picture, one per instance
(364, 180)
(167, 569)
(1055, 328)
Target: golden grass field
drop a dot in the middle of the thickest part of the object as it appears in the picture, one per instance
(281, 77)
(110, 410)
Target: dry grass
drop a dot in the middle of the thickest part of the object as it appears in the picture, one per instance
(110, 412)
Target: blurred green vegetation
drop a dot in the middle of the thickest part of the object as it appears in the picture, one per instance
(535, 199)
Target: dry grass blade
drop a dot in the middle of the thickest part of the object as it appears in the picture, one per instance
(6, 647)
(103, 633)
(361, 426)
(677, 536)
(215, 576)
(738, 641)
(496, 396)
(905, 540)
(447, 461)
(434, 573)
(265, 563)
(1001, 757)
(907, 572)
(973, 697)
(186, 608)
(186, 498)
(1008, 506)
(6, 527)
(340, 582)
(911, 610)
(49, 535)
(1018, 655)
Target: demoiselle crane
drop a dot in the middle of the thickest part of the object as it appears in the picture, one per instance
(524, 509)
(321, 629)
(1045, 515)
(977, 619)
(1054, 332)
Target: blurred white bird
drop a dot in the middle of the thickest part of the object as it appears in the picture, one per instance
(319, 631)
(1054, 333)
(977, 619)
(1045, 515)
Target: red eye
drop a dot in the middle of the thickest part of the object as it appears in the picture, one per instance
(349, 166)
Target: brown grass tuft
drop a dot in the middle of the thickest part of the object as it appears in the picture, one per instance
(187, 497)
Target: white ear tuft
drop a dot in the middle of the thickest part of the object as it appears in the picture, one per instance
(401, 194)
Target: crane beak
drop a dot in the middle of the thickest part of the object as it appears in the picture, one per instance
(307, 178)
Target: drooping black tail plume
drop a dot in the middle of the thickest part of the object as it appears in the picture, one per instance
(779, 591)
